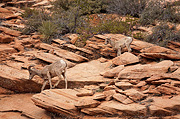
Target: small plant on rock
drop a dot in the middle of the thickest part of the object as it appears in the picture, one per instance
(162, 34)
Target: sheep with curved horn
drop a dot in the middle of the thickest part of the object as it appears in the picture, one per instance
(57, 68)
(118, 45)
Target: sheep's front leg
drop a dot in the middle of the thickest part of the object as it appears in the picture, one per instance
(44, 84)
(49, 78)
(128, 47)
(119, 51)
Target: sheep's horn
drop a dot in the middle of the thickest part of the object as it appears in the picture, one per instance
(32, 65)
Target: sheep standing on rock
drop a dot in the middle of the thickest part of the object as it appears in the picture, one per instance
(57, 68)
(118, 45)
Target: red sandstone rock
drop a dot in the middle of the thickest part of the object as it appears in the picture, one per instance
(125, 58)
(5, 38)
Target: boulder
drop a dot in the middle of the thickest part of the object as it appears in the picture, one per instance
(120, 109)
(160, 105)
(84, 92)
(125, 59)
(122, 98)
(5, 48)
(158, 49)
(140, 84)
(160, 56)
(113, 72)
(4, 10)
(86, 74)
(87, 103)
(124, 85)
(165, 90)
(157, 52)
(134, 94)
(139, 45)
(8, 15)
(73, 47)
(5, 91)
(174, 45)
(99, 96)
(5, 38)
(10, 31)
(18, 45)
(95, 111)
(163, 76)
(102, 60)
(73, 37)
(42, 3)
(136, 72)
(147, 70)
(109, 94)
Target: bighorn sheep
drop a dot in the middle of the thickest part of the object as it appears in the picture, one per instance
(118, 45)
(57, 68)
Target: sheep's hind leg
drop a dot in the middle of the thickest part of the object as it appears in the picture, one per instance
(56, 84)
(49, 78)
(64, 75)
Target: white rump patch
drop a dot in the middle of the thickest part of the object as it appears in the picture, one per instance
(63, 62)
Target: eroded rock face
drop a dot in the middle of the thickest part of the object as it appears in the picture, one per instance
(65, 101)
(5, 38)
(141, 71)
(17, 80)
(143, 89)
(63, 53)
(10, 31)
(59, 101)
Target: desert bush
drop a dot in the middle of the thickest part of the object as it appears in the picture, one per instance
(156, 10)
(106, 24)
(47, 29)
(70, 12)
(127, 7)
(139, 36)
(162, 34)
(111, 26)
(34, 19)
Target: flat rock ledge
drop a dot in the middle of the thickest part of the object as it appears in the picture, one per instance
(67, 103)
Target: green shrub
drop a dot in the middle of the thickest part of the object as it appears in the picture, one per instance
(162, 34)
(70, 12)
(111, 26)
(47, 29)
(139, 36)
(155, 10)
(34, 19)
(127, 7)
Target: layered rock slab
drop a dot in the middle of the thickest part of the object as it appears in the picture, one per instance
(59, 101)
(20, 106)
(62, 53)
(17, 80)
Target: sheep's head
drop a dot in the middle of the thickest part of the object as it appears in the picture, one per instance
(32, 73)
(107, 40)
